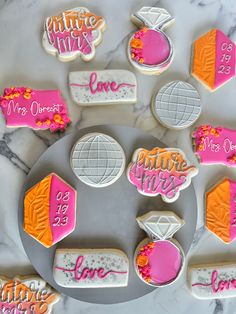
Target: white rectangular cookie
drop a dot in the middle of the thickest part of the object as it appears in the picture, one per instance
(103, 87)
(90, 268)
(214, 281)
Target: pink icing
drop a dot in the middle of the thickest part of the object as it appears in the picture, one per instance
(62, 209)
(215, 145)
(34, 111)
(165, 262)
(101, 87)
(80, 272)
(72, 41)
(156, 181)
(156, 48)
(232, 210)
(220, 286)
(225, 59)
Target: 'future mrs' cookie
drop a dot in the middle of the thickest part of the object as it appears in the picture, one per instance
(160, 171)
(73, 33)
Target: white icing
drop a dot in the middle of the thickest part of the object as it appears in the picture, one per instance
(177, 105)
(97, 160)
(97, 87)
(153, 17)
(113, 262)
(213, 281)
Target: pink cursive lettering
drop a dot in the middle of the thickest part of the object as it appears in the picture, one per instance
(81, 272)
(96, 86)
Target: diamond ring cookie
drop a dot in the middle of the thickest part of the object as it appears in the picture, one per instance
(215, 145)
(213, 281)
(26, 294)
(50, 210)
(150, 50)
(159, 260)
(177, 105)
(97, 160)
(36, 109)
(73, 33)
(107, 87)
(220, 210)
(160, 171)
(91, 268)
(213, 60)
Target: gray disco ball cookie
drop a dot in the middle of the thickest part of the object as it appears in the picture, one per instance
(177, 105)
(97, 160)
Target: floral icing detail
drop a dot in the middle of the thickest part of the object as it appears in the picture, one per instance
(142, 261)
(215, 145)
(36, 109)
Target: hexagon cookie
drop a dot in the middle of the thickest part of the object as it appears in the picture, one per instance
(49, 210)
(220, 210)
(213, 62)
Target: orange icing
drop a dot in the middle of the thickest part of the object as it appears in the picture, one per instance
(73, 20)
(204, 58)
(142, 260)
(218, 210)
(36, 212)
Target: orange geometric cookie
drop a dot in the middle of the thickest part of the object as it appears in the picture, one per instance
(213, 59)
(221, 210)
(49, 210)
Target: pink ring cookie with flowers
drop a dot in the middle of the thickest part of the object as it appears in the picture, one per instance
(159, 260)
(150, 50)
(36, 109)
(215, 145)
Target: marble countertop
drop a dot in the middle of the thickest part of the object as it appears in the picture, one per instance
(24, 62)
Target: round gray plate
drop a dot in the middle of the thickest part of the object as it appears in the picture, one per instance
(106, 217)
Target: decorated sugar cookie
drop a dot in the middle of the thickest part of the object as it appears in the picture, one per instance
(26, 294)
(159, 259)
(213, 61)
(213, 281)
(160, 171)
(91, 268)
(220, 210)
(73, 33)
(105, 87)
(215, 145)
(36, 109)
(177, 105)
(50, 210)
(150, 50)
(97, 160)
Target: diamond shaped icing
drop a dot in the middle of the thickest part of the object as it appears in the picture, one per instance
(153, 17)
(213, 62)
(49, 210)
(220, 210)
(160, 225)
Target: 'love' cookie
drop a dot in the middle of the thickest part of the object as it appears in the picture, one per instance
(159, 260)
(36, 109)
(213, 61)
(73, 33)
(91, 268)
(150, 50)
(215, 145)
(213, 281)
(50, 210)
(177, 105)
(220, 210)
(97, 160)
(26, 294)
(103, 87)
(160, 171)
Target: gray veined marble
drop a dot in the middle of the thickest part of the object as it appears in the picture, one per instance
(24, 62)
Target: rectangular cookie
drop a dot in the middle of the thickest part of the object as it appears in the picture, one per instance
(90, 268)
